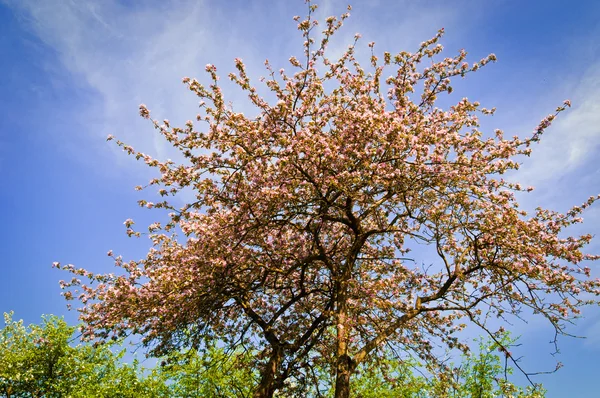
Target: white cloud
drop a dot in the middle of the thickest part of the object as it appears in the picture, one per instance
(131, 56)
(591, 329)
(124, 56)
(128, 56)
(573, 138)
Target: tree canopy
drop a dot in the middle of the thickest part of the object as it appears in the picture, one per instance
(298, 241)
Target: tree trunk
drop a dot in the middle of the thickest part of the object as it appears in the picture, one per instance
(268, 380)
(345, 367)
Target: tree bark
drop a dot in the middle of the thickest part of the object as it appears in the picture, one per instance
(268, 381)
(345, 367)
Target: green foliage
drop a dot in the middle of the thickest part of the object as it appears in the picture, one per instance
(38, 361)
(213, 373)
(41, 361)
(479, 375)
(484, 375)
(390, 378)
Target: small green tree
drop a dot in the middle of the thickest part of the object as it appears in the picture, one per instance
(485, 374)
(390, 378)
(212, 373)
(40, 361)
(482, 374)
(33, 358)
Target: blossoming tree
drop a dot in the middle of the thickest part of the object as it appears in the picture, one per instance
(298, 241)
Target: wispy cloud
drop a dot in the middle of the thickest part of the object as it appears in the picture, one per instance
(572, 140)
(592, 331)
(127, 56)
(124, 56)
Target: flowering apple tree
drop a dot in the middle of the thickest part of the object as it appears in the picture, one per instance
(298, 241)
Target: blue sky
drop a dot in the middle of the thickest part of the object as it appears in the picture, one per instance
(75, 71)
